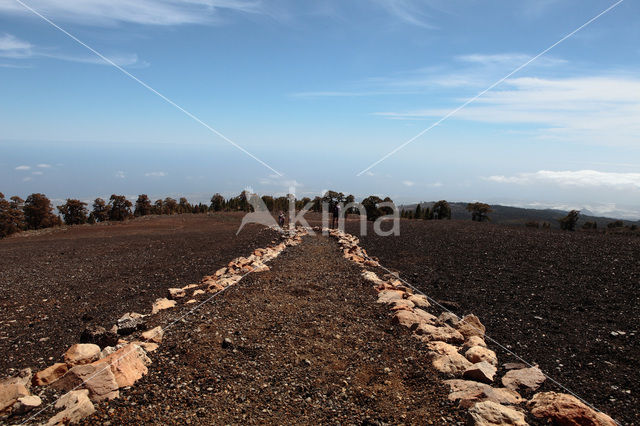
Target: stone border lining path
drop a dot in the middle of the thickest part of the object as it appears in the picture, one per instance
(474, 370)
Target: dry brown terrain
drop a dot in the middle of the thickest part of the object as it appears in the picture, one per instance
(567, 301)
(55, 283)
(306, 339)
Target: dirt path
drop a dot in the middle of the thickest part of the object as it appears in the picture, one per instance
(308, 344)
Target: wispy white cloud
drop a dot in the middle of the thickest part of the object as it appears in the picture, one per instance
(23, 168)
(408, 183)
(578, 178)
(598, 110)
(472, 71)
(27, 179)
(508, 60)
(120, 174)
(407, 11)
(156, 174)
(145, 12)
(44, 166)
(12, 47)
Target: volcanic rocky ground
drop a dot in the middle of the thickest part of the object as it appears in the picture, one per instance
(569, 302)
(305, 341)
(55, 284)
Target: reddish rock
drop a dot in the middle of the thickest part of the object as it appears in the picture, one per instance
(566, 410)
(50, 374)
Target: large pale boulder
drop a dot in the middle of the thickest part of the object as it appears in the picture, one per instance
(176, 293)
(406, 318)
(402, 305)
(479, 353)
(162, 304)
(22, 378)
(481, 372)
(9, 394)
(428, 332)
(469, 326)
(98, 379)
(524, 378)
(82, 353)
(469, 392)
(26, 404)
(50, 374)
(390, 296)
(448, 318)
(425, 317)
(489, 413)
(474, 341)
(446, 358)
(420, 300)
(153, 335)
(128, 364)
(77, 406)
(566, 410)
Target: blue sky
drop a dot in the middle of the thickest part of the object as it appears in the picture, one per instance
(319, 91)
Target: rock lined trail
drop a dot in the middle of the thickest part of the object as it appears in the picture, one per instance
(315, 335)
(303, 342)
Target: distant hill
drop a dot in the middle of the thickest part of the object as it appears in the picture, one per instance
(507, 215)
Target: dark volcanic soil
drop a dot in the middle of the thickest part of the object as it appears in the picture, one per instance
(309, 346)
(568, 301)
(54, 284)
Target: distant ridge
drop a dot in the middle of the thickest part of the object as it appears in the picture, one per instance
(508, 215)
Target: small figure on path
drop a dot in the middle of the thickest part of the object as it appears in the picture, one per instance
(281, 219)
